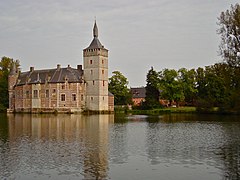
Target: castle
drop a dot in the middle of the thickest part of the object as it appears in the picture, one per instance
(66, 90)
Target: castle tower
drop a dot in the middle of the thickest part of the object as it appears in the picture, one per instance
(95, 61)
(12, 79)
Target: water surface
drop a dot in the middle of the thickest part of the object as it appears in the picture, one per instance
(119, 147)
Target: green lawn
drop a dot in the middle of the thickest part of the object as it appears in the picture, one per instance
(165, 110)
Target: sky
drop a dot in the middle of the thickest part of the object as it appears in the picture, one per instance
(139, 34)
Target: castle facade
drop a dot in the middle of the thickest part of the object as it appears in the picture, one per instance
(67, 89)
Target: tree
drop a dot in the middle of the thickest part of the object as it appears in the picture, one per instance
(152, 90)
(187, 79)
(170, 86)
(212, 85)
(229, 22)
(229, 31)
(5, 65)
(118, 87)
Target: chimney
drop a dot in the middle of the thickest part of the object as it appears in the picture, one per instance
(79, 67)
(31, 69)
(68, 67)
(58, 67)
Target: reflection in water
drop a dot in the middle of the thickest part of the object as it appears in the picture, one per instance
(73, 145)
(118, 147)
(200, 140)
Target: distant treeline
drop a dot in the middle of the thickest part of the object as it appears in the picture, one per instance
(206, 88)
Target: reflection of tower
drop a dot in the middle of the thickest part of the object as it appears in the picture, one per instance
(95, 60)
(96, 156)
(69, 141)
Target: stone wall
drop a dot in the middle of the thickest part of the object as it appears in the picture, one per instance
(54, 97)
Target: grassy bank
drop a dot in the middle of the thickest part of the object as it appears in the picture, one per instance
(164, 111)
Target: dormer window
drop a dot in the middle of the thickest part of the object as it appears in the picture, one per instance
(35, 93)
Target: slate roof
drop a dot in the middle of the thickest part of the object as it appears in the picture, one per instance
(138, 92)
(57, 75)
(95, 44)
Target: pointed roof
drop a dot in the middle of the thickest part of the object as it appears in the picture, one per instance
(95, 44)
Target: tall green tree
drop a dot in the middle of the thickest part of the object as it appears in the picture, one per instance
(6, 64)
(229, 31)
(118, 87)
(152, 90)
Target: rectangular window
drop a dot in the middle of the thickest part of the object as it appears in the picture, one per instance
(27, 94)
(102, 71)
(74, 97)
(35, 93)
(54, 90)
(93, 82)
(91, 71)
(63, 98)
(81, 97)
(63, 86)
(103, 83)
(90, 61)
(47, 93)
(102, 61)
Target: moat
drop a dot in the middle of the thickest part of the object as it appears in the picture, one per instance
(175, 146)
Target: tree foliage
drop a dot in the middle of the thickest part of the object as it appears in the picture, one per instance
(171, 87)
(118, 87)
(152, 90)
(229, 22)
(6, 64)
(187, 79)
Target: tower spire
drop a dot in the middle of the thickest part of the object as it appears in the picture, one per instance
(13, 69)
(95, 29)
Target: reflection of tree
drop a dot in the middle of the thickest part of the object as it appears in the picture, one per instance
(3, 128)
(209, 139)
(229, 153)
(64, 145)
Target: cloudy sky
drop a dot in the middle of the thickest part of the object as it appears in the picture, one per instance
(138, 33)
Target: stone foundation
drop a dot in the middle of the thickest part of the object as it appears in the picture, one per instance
(45, 110)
